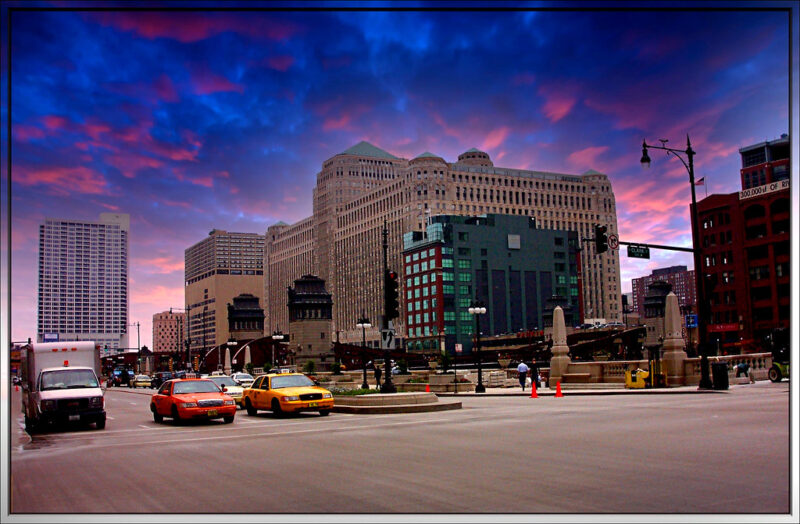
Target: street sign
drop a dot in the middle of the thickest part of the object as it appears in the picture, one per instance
(613, 241)
(636, 251)
(387, 338)
(691, 321)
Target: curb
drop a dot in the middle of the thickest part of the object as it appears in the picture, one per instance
(397, 408)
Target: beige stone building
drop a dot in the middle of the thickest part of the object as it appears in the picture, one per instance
(169, 332)
(217, 269)
(363, 187)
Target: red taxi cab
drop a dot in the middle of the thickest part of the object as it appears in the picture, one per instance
(192, 398)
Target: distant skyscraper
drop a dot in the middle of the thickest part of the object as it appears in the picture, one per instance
(681, 279)
(83, 280)
(169, 332)
(217, 269)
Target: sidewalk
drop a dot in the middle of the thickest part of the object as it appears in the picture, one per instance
(575, 390)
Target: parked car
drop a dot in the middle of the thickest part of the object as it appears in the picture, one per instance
(229, 386)
(160, 377)
(190, 398)
(287, 393)
(141, 381)
(243, 379)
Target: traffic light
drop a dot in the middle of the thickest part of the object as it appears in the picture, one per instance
(391, 295)
(601, 238)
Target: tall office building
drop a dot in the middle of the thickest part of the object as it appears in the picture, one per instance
(360, 189)
(169, 332)
(83, 280)
(217, 269)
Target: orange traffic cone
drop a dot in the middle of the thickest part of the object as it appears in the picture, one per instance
(533, 390)
(427, 388)
(16, 388)
(558, 389)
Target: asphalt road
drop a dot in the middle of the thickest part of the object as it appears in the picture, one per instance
(712, 453)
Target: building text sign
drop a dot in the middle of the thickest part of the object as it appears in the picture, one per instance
(763, 190)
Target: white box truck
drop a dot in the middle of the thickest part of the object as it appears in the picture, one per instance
(60, 384)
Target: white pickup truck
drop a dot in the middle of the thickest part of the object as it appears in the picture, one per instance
(60, 384)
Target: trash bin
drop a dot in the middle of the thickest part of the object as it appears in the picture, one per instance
(636, 378)
(719, 374)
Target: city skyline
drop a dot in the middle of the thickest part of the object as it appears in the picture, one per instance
(221, 120)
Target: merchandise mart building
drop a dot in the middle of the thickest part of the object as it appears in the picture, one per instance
(365, 187)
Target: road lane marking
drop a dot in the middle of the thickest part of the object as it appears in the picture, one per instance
(145, 427)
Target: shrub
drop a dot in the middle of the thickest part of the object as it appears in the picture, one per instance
(336, 368)
(249, 368)
(403, 366)
(309, 367)
(267, 367)
(351, 392)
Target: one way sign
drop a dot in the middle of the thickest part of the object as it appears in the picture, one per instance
(387, 339)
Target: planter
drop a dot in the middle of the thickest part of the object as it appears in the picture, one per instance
(504, 362)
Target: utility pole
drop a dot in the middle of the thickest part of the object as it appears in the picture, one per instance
(388, 386)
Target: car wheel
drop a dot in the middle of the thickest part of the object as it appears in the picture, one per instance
(324, 412)
(157, 417)
(228, 420)
(175, 416)
(276, 408)
(100, 423)
(774, 374)
(249, 407)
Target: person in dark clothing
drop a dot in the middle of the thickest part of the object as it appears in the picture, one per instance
(378, 376)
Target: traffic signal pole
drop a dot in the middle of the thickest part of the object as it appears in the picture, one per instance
(387, 386)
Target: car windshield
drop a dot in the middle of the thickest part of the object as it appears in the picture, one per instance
(69, 379)
(291, 381)
(244, 376)
(142, 377)
(195, 386)
(223, 381)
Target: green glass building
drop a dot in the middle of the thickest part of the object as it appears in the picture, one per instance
(516, 270)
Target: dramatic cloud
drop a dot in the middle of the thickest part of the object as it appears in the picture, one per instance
(193, 119)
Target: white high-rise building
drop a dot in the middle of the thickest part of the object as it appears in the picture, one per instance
(83, 280)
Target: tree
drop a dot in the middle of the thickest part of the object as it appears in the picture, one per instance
(309, 367)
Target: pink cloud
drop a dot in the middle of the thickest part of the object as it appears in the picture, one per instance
(557, 107)
(55, 122)
(164, 89)
(129, 163)
(189, 27)
(160, 265)
(336, 123)
(495, 138)
(586, 158)
(26, 133)
(280, 63)
(110, 207)
(62, 180)
(205, 82)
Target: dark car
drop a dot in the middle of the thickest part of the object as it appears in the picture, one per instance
(160, 377)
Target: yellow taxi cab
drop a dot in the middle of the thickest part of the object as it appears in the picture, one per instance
(229, 386)
(286, 393)
(141, 381)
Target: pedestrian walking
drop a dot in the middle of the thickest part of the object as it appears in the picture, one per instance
(522, 369)
(378, 376)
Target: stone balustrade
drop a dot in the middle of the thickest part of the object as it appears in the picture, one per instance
(759, 365)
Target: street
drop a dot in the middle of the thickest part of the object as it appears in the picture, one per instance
(726, 452)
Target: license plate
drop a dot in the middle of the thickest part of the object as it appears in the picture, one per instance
(73, 418)
(212, 412)
(312, 404)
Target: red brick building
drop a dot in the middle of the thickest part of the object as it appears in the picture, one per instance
(745, 244)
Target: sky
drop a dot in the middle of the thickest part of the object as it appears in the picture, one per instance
(198, 119)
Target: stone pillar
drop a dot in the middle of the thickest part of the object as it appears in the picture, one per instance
(227, 368)
(560, 361)
(674, 345)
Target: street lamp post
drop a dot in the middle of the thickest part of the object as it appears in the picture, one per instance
(476, 309)
(363, 324)
(276, 336)
(705, 379)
